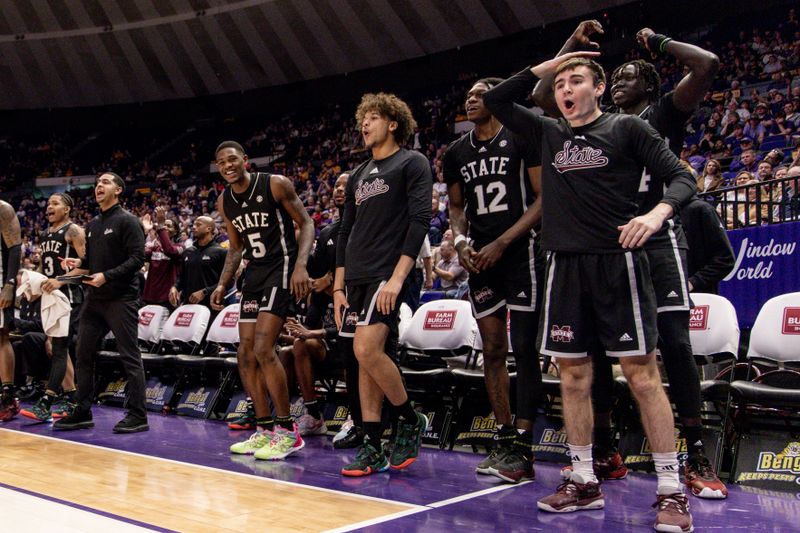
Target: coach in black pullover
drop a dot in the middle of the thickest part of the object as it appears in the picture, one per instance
(114, 256)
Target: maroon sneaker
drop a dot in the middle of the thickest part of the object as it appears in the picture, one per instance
(673, 514)
(572, 495)
(608, 468)
(701, 479)
(9, 407)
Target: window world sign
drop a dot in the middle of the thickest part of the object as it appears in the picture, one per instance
(767, 265)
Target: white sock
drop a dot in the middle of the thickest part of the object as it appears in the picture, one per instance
(667, 472)
(582, 463)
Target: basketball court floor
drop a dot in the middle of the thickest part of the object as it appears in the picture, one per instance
(179, 476)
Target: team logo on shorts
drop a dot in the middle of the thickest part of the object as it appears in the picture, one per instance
(562, 334)
(250, 306)
(351, 319)
(482, 295)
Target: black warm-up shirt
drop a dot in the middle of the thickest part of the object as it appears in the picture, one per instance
(590, 174)
(323, 260)
(202, 266)
(386, 215)
(115, 248)
(710, 255)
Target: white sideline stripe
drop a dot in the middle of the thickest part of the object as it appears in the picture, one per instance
(476, 494)
(213, 469)
(427, 507)
(378, 520)
(24, 512)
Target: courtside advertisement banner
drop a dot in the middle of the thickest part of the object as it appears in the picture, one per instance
(770, 461)
(767, 265)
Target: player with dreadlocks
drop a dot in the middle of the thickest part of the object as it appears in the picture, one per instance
(636, 90)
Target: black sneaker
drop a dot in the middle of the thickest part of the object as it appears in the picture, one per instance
(407, 441)
(369, 460)
(131, 424)
(490, 460)
(79, 419)
(513, 467)
(352, 439)
(30, 393)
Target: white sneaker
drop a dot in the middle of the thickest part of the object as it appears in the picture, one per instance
(344, 431)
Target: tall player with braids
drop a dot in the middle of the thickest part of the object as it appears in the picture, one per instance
(62, 240)
(636, 90)
(491, 174)
(259, 210)
(10, 257)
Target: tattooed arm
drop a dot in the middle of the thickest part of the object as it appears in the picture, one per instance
(12, 237)
(232, 260)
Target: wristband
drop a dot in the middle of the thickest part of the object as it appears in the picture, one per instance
(657, 43)
(338, 290)
(459, 238)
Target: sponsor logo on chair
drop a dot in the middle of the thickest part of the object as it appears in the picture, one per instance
(791, 321)
(698, 317)
(146, 317)
(438, 320)
(230, 320)
(184, 319)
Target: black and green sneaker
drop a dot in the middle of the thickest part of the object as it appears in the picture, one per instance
(246, 420)
(40, 410)
(407, 441)
(489, 461)
(369, 460)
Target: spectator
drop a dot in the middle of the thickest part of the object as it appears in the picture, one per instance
(746, 161)
(438, 222)
(764, 172)
(712, 178)
(452, 275)
(164, 256)
(755, 129)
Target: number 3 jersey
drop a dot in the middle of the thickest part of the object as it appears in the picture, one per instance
(54, 248)
(265, 228)
(494, 180)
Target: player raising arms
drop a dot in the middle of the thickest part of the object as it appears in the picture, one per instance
(598, 282)
(258, 210)
(490, 173)
(636, 90)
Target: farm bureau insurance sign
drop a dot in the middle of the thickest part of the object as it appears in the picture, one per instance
(767, 265)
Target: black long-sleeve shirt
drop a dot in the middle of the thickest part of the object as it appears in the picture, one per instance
(591, 174)
(710, 253)
(202, 266)
(323, 260)
(115, 248)
(386, 215)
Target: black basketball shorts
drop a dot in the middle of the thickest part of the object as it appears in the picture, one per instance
(598, 296)
(514, 281)
(264, 291)
(670, 282)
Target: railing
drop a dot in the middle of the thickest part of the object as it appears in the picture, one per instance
(757, 204)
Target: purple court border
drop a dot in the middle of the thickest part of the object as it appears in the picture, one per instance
(92, 510)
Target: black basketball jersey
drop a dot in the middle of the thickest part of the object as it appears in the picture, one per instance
(54, 247)
(264, 226)
(494, 179)
(669, 122)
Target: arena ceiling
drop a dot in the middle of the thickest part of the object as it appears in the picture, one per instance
(69, 53)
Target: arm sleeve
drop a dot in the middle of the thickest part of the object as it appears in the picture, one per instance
(501, 101)
(180, 279)
(169, 247)
(652, 151)
(720, 257)
(348, 218)
(418, 190)
(134, 250)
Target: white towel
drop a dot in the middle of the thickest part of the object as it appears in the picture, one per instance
(55, 305)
